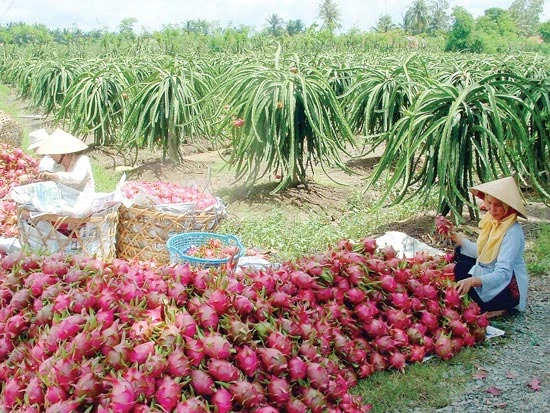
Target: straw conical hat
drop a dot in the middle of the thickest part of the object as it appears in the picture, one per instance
(37, 138)
(60, 142)
(505, 190)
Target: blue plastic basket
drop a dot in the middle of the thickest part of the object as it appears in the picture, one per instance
(179, 244)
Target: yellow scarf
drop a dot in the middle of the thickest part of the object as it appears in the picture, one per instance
(491, 235)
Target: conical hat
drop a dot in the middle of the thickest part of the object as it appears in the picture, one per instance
(37, 138)
(505, 190)
(61, 142)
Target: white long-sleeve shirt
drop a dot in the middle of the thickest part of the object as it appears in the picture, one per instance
(79, 175)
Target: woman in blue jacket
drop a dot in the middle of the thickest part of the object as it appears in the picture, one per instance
(492, 270)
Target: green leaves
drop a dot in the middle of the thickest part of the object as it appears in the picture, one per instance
(292, 121)
(94, 102)
(454, 137)
(445, 121)
(380, 95)
(165, 107)
(53, 79)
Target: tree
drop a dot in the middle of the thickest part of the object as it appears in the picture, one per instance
(22, 34)
(167, 38)
(126, 28)
(497, 22)
(497, 30)
(197, 26)
(460, 37)
(544, 31)
(6, 36)
(527, 14)
(384, 24)
(439, 17)
(274, 25)
(329, 13)
(417, 18)
(294, 27)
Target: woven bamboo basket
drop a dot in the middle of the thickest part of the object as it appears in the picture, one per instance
(143, 232)
(93, 235)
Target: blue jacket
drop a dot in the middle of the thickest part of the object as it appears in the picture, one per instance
(496, 275)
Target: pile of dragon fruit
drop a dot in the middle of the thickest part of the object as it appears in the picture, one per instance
(16, 168)
(81, 335)
(169, 193)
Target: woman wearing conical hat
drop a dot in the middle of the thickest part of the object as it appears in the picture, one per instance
(75, 167)
(492, 270)
(37, 138)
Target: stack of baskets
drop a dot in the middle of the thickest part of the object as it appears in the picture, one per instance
(180, 244)
(143, 232)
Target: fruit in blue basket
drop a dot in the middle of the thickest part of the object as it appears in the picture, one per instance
(213, 248)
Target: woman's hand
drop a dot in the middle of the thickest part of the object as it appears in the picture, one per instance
(464, 286)
(46, 176)
(456, 238)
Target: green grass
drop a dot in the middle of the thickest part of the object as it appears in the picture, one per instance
(429, 385)
(105, 181)
(289, 235)
(4, 101)
(538, 253)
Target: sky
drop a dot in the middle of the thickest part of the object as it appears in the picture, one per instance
(153, 15)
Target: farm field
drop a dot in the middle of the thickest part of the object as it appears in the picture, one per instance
(473, 372)
(306, 143)
(326, 152)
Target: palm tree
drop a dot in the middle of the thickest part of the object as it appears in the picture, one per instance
(384, 24)
(329, 13)
(275, 24)
(417, 18)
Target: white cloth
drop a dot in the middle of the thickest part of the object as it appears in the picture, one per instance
(79, 175)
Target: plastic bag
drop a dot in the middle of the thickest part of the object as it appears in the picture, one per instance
(53, 198)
